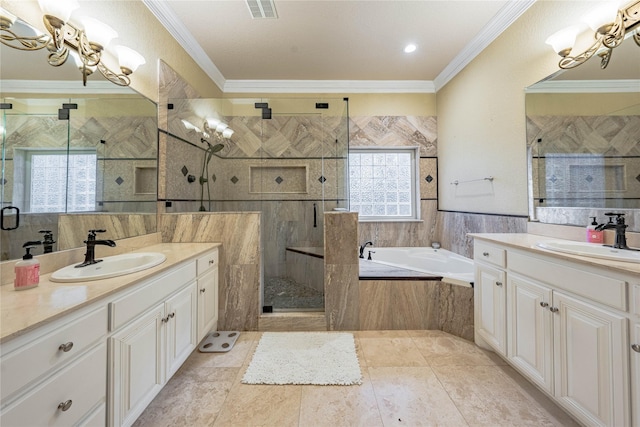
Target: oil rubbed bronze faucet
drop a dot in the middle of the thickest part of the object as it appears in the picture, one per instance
(91, 242)
(620, 227)
(362, 248)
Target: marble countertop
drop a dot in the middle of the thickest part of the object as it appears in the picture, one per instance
(529, 242)
(22, 311)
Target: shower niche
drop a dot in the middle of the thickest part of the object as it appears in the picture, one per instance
(284, 157)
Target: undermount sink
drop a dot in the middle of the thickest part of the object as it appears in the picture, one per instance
(594, 250)
(111, 266)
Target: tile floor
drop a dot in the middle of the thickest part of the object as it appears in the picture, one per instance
(410, 378)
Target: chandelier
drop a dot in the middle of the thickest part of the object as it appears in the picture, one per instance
(610, 25)
(84, 43)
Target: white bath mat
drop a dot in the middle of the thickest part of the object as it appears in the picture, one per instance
(219, 342)
(320, 358)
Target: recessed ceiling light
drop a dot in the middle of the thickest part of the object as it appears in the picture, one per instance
(410, 48)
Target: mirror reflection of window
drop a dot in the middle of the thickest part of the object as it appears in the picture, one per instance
(61, 183)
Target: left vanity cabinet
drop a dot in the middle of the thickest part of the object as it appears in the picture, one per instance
(57, 374)
(103, 362)
(154, 330)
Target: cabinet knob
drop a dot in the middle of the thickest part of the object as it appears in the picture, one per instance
(66, 346)
(64, 406)
(203, 290)
(485, 253)
(544, 304)
(554, 309)
(635, 347)
(499, 284)
(211, 261)
(165, 319)
(171, 315)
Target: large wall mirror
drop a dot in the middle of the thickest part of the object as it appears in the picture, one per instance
(70, 152)
(583, 136)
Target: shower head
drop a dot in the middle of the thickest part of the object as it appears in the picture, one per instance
(217, 147)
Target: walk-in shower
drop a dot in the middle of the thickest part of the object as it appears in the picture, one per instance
(283, 157)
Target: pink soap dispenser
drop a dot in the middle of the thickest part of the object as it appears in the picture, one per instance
(27, 271)
(593, 234)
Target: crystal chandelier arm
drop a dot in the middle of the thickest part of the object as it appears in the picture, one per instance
(119, 79)
(11, 39)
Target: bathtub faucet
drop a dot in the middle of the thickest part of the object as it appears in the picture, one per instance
(362, 248)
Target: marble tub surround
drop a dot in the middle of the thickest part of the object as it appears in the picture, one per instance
(453, 228)
(413, 304)
(409, 378)
(240, 259)
(58, 259)
(528, 242)
(22, 311)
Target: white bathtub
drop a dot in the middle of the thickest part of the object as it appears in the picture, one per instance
(453, 268)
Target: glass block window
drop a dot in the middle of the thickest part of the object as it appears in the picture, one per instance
(382, 183)
(48, 181)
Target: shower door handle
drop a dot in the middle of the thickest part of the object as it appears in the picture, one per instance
(2, 213)
(315, 216)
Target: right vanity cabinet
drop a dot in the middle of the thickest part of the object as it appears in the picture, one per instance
(567, 330)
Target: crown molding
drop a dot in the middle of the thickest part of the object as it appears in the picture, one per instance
(63, 87)
(329, 86)
(585, 86)
(503, 19)
(167, 17)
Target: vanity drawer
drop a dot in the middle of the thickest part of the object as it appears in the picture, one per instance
(597, 287)
(44, 352)
(207, 262)
(489, 253)
(82, 386)
(129, 306)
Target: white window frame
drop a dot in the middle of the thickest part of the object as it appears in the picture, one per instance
(415, 188)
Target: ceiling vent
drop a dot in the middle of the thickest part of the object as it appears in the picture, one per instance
(262, 9)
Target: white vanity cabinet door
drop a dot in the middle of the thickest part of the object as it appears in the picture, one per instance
(591, 372)
(207, 303)
(137, 371)
(530, 330)
(180, 323)
(490, 298)
(635, 372)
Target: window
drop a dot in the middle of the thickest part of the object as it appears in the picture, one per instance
(47, 181)
(382, 183)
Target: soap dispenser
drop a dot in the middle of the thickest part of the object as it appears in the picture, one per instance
(593, 234)
(28, 270)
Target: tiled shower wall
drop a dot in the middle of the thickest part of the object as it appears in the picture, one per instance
(579, 161)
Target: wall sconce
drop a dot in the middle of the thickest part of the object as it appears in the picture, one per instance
(609, 25)
(85, 43)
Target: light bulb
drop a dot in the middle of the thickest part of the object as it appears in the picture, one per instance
(61, 9)
(601, 18)
(227, 133)
(129, 59)
(410, 48)
(221, 127)
(213, 123)
(98, 33)
(563, 41)
(188, 125)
